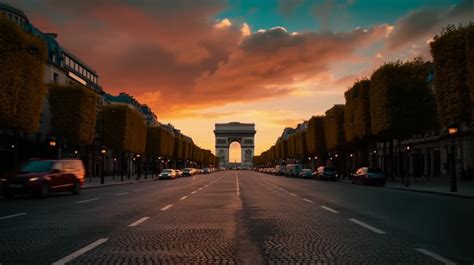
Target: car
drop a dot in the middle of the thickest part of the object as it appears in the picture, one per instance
(369, 175)
(167, 174)
(44, 176)
(293, 170)
(179, 173)
(326, 173)
(188, 172)
(280, 170)
(306, 173)
(206, 170)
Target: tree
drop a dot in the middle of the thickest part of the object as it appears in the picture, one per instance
(401, 103)
(73, 110)
(357, 123)
(124, 129)
(451, 52)
(22, 88)
(334, 127)
(315, 138)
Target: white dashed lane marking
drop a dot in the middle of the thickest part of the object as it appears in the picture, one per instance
(166, 207)
(11, 216)
(435, 256)
(193, 192)
(139, 221)
(122, 193)
(81, 251)
(371, 228)
(89, 200)
(183, 198)
(308, 200)
(329, 209)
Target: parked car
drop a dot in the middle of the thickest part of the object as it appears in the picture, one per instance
(280, 170)
(188, 172)
(368, 175)
(206, 170)
(293, 170)
(179, 173)
(326, 173)
(41, 177)
(167, 174)
(306, 173)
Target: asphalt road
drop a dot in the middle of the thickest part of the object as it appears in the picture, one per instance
(238, 217)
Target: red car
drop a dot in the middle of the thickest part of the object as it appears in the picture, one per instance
(41, 177)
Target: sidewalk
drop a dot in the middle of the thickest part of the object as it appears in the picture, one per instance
(91, 183)
(435, 186)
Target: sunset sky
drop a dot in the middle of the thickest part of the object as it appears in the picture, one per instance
(273, 63)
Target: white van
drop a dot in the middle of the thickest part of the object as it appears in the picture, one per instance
(280, 170)
(293, 170)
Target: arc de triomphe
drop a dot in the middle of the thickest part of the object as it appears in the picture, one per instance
(227, 133)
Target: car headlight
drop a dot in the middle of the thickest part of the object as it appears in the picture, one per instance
(33, 179)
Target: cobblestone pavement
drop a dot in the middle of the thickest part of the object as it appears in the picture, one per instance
(231, 217)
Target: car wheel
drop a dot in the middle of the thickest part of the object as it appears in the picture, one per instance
(76, 188)
(44, 190)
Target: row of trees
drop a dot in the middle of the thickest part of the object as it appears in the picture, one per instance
(394, 104)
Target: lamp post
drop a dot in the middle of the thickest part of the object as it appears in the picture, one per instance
(113, 169)
(453, 131)
(103, 152)
(76, 153)
(407, 182)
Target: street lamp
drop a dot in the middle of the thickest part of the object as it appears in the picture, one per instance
(407, 182)
(103, 152)
(76, 153)
(453, 129)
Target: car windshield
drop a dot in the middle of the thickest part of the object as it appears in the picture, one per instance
(331, 169)
(167, 171)
(37, 166)
(375, 170)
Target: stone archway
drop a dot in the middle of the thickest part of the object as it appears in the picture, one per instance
(226, 133)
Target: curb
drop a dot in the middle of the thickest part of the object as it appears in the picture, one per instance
(115, 184)
(425, 191)
(434, 192)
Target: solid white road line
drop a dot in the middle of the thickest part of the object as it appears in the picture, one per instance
(183, 198)
(435, 256)
(307, 200)
(329, 209)
(237, 184)
(89, 200)
(139, 221)
(193, 192)
(371, 228)
(166, 207)
(122, 193)
(12, 215)
(80, 251)
(294, 195)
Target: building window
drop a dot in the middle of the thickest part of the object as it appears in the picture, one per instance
(55, 78)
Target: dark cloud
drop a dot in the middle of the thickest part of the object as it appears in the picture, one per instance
(426, 22)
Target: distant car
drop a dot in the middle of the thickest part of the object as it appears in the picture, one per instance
(188, 172)
(293, 170)
(306, 173)
(326, 173)
(206, 170)
(179, 173)
(167, 174)
(368, 175)
(41, 177)
(280, 170)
